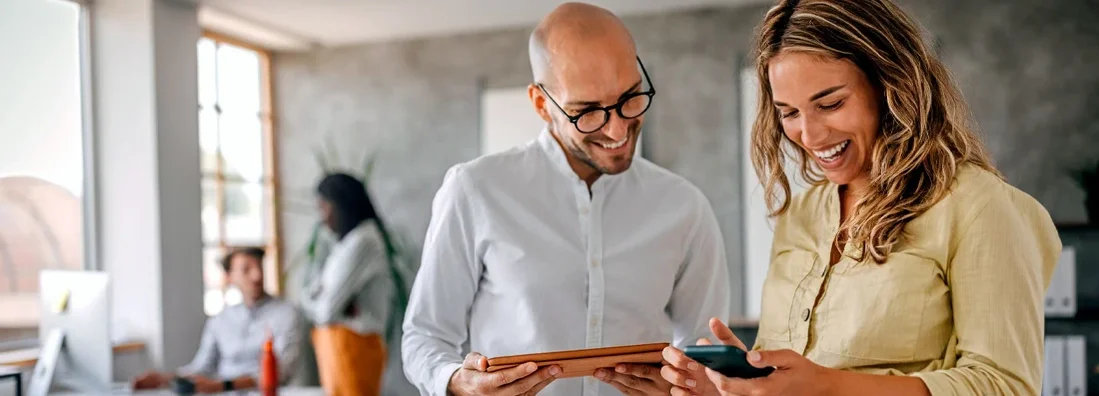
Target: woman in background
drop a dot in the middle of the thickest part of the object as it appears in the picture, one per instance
(349, 295)
(910, 267)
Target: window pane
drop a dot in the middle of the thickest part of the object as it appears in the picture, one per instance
(207, 74)
(244, 214)
(213, 277)
(213, 280)
(238, 79)
(208, 139)
(213, 301)
(211, 232)
(41, 153)
(242, 147)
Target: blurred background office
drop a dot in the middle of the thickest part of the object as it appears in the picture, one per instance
(145, 138)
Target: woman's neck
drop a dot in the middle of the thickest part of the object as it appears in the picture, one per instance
(850, 194)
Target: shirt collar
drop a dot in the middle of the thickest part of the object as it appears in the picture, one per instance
(553, 149)
(260, 304)
(557, 156)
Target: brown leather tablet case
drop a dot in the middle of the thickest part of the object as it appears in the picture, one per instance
(584, 362)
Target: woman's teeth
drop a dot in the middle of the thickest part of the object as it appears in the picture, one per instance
(612, 146)
(832, 153)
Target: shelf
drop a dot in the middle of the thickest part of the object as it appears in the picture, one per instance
(1076, 227)
(1081, 321)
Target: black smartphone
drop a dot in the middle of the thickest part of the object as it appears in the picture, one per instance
(728, 360)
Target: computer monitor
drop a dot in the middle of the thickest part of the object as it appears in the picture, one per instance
(74, 333)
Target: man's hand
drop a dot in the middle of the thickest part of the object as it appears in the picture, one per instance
(206, 385)
(150, 380)
(473, 379)
(635, 379)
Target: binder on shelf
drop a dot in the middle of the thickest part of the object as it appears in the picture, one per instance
(1053, 373)
(1061, 296)
(1076, 366)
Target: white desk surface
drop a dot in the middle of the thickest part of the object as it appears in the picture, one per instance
(289, 391)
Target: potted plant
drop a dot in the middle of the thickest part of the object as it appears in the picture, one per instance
(1088, 179)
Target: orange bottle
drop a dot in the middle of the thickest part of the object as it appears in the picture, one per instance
(269, 369)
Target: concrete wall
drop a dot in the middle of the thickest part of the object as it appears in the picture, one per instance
(1026, 67)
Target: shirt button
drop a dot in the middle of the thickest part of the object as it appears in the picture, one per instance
(584, 211)
(594, 322)
(805, 314)
(594, 263)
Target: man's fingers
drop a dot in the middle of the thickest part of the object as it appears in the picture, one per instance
(724, 334)
(703, 341)
(678, 377)
(504, 377)
(542, 385)
(610, 376)
(475, 361)
(679, 360)
(646, 371)
(526, 384)
(626, 380)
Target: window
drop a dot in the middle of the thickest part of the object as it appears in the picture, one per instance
(42, 160)
(237, 182)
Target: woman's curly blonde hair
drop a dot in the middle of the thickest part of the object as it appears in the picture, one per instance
(926, 132)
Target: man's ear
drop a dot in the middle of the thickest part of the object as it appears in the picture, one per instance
(538, 100)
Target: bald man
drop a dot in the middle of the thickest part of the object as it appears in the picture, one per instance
(568, 242)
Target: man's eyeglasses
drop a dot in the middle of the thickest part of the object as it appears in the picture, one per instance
(631, 106)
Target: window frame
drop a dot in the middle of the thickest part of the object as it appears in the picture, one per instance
(88, 202)
(270, 181)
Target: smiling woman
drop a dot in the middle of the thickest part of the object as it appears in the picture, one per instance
(909, 267)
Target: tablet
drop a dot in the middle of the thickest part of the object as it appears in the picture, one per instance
(584, 362)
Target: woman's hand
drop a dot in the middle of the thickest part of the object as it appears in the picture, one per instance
(686, 375)
(793, 375)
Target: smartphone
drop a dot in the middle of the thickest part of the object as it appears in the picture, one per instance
(728, 360)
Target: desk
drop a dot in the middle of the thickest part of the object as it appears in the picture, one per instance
(289, 391)
(27, 358)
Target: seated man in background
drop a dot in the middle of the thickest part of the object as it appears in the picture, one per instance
(228, 356)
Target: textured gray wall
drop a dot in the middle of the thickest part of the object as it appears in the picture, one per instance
(1027, 68)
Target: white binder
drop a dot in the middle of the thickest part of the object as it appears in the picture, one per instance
(1061, 296)
(1053, 378)
(1076, 365)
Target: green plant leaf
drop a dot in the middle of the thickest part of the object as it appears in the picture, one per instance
(368, 167)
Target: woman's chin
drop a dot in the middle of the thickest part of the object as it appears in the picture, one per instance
(842, 177)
